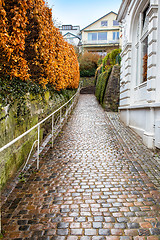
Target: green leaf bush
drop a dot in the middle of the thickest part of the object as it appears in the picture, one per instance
(88, 64)
(111, 59)
(102, 84)
(103, 73)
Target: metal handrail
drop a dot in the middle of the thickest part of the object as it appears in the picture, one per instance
(38, 124)
(38, 139)
(29, 155)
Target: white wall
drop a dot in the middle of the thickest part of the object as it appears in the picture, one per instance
(95, 27)
(140, 102)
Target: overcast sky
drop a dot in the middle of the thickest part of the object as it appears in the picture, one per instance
(82, 12)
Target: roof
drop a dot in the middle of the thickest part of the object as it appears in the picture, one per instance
(72, 35)
(99, 19)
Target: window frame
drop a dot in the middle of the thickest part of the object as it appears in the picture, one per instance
(140, 40)
(102, 33)
(116, 33)
(115, 21)
(103, 23)
(91, 39)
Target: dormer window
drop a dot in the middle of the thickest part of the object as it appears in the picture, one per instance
(104, 23)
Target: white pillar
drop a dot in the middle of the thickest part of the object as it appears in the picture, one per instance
(148, 136)
(152, 50)
(158, 58)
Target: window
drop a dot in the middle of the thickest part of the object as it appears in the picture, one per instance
(92, 36)
(144, 45)
(145, 15)
(141, 47)
(115, 35)
(66, 27)
(145, 58)
(104, 23)
(102, 36)
(137, 64)
(115, 23)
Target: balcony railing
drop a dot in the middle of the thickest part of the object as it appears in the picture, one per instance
(100, 42)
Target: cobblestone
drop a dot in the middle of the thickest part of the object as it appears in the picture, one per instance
(98, 182)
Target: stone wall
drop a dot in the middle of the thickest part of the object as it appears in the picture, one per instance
(108, 88)
(88, 85)
(111, 96)
(37, 108)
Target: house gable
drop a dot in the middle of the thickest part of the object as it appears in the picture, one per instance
(70, 35)
(97, 25)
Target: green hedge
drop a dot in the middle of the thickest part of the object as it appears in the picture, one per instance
(101, 85)
(111, 59)
(88, 72)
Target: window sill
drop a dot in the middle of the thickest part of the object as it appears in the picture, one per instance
(142, 85)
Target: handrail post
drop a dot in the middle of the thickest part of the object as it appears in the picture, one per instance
(60, 115)
(66, 112)
(38, 147)
(52, 128)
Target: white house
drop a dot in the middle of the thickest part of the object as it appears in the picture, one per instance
(103, 35)
(71, 34)
(140, 70)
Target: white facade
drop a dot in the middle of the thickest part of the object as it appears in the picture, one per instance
(140, 68)
(71, 34)
(103, 35)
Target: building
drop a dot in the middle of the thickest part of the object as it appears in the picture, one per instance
(103, 35)
(71, 34)
(140, 68)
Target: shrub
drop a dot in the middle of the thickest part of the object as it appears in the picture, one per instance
(32, 47)
(111, 59)
(98, 86)
(99, 62)
(88, 64)
(98, 72)
(102, 84)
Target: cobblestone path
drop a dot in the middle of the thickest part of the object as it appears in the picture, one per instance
(95, 184)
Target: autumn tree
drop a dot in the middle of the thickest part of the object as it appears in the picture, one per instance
(13, 34)
(88, 63)
(33, 48)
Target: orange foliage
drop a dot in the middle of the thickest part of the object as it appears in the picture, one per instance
(33, 48)
(13, 19)
(90, 57)
(67, 67)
